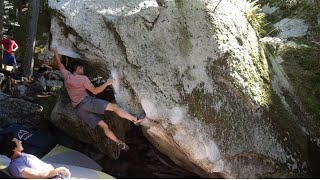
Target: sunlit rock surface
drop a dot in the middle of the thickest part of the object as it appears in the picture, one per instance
(291, 28)
(200, 74)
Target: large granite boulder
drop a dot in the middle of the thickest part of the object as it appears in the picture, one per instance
(198, 71)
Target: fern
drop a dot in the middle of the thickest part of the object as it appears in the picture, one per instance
(255, 17)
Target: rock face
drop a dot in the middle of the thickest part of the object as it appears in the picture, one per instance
(2, 78)
(291, 28)
(19, 91)
(295, 60)
(44, 84)
(15, 110)
(200, 74)
(54, 85)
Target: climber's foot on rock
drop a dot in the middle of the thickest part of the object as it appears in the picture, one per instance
(123, 146)
(140, 118)
(137, 122)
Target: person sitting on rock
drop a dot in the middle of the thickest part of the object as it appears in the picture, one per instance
(88, 107)
(25, 165)
(44, 71)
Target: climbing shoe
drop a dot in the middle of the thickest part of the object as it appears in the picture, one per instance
(123, 146)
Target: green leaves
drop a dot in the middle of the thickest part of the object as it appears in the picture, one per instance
(8, 17)
(256, 18)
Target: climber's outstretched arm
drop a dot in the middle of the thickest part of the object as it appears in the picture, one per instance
(57, 60)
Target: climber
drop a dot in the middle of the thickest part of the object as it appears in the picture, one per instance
(27, 166)
(9, 46)
(88, 107)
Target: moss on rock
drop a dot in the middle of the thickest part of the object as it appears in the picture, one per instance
(185, 44)
(303, 69)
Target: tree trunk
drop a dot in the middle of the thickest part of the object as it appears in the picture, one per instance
(17, 9)
(1, 17)
(34, 7)
(1, 27)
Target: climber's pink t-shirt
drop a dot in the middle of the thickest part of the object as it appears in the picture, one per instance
(76, 86)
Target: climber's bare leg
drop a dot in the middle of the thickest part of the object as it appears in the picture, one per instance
(107, 131)
(109, 134)
(120, 112)
(14, 67)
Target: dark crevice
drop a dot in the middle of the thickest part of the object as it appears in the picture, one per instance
(155, 84)
(313, 158)
(143, 161)
(161, 3)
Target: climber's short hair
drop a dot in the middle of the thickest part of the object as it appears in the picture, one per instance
(7, 144)
(75, 65)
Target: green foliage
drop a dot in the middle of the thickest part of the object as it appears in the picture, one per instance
(43, 27)
(256, 18)
(303, 68)
(306, 10)
(284, 4)
(8, 16)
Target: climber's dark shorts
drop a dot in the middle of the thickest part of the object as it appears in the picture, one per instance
(90, 109)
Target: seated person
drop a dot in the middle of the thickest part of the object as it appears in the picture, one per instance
(27, 166)
(44, 70)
